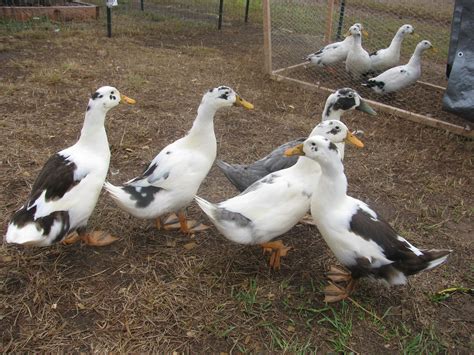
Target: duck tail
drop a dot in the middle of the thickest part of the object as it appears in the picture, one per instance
(208, 207)
(235, 174)
(435, 257)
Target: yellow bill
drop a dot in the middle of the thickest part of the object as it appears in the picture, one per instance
(350, 138)
(127, 100)
(297, 150)
(434, 49)
(244, 103)
(365, 33)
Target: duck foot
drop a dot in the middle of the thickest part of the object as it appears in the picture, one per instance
(335, 293)
(336, 274)
(180, 222)
(71, 239)
(277, 250)
(98, 238)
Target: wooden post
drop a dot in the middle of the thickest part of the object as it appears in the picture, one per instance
(267, 37)
(411, 116)
(328, 35)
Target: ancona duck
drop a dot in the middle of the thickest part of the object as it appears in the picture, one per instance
(359, 238)
(335, 52)
(398, 78)
(389, 57)
(242, 176)
(274, 204)
(67, 188)
(173, 177)
(358, 60)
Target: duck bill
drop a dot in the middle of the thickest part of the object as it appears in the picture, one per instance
(297, 150)
(415, 35)
(365, 107)
(127, 100)
(241, 102)
(350, 138)
(365, 33)
(434, 49)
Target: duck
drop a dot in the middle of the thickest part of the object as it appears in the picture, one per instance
(67, 188)
(274, 204)
(389, 57)
(358, 60)
(172, 178)
(335, 52)
(358, 236)
(339, 102)
(402, 76)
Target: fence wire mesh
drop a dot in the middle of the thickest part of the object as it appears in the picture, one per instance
(198, 10)
(301, 27)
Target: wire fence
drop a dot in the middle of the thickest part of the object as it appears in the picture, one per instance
(301, 27)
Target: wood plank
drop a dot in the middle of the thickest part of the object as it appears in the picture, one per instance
(415, 117)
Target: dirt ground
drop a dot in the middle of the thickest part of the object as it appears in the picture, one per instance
(155, 290)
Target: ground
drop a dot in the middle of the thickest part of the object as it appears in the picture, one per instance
(155, 290)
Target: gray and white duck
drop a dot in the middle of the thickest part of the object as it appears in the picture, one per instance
(338, 103)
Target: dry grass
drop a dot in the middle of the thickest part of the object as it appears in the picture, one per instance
(150, 291)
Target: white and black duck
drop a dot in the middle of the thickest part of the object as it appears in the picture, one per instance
(173, 177)
(67, 188)
(242, 176)
(335, 52)
(399, 78)
(358, 59)
(389, 57)
(357, 235)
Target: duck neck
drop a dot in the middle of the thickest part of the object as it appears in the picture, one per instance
(203, 125)
(357, 43)
(329, 113)
(332, 186)
(396, 43)
(93, 134)
(415, 59)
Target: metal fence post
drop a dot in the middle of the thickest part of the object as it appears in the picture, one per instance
(247, 4)
(109, 22)
(341, 19)
(221, 10)
(141, 5)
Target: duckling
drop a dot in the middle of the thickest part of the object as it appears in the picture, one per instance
(67, 188)
(357, 235)
(339, 102)
(274, 204)
(399, 78)
(389, 57)
(358, 60)
(173, 177)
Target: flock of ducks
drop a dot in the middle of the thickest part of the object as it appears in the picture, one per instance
(303, 175)
(380, 69)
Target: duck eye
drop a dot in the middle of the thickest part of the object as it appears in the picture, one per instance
(337, 127)
(313, 144)
(350, 96)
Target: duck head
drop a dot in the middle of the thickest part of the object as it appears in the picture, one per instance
(342, 100)
(224, 96)
(106, 98)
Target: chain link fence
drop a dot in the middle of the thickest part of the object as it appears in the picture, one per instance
(297, 28)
